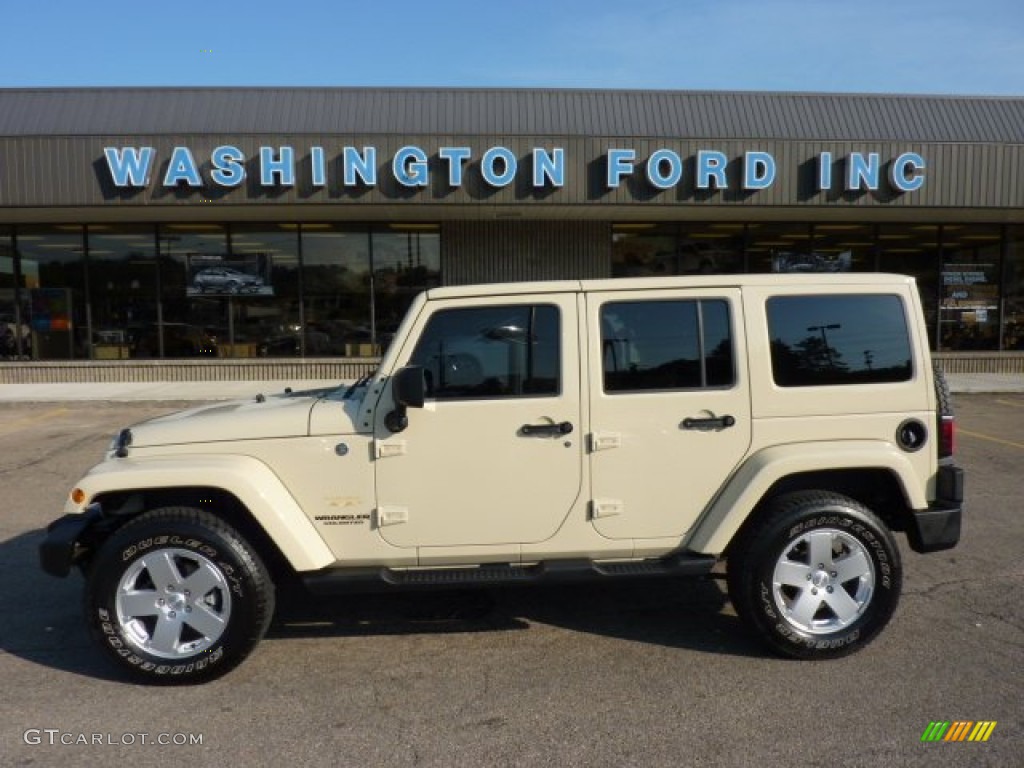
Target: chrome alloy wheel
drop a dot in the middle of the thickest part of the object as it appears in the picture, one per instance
(823, 581)
(173, 603)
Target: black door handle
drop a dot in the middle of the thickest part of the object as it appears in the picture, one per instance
(713, 422)
(546, 430)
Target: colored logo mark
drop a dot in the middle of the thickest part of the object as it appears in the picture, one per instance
(958, 730)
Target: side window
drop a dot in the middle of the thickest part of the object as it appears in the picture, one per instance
(817, 340)
(511, 351)
(666, 345)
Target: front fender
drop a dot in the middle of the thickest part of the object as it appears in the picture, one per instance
(248, 479)
(758, 473)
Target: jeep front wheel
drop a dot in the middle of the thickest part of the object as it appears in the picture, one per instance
(818, 577)
(178, 596)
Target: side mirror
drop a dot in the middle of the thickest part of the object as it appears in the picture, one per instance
(409, 389)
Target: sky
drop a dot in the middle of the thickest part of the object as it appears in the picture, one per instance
(970, 47)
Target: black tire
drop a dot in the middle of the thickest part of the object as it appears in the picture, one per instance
(799, 609)
(170, 635)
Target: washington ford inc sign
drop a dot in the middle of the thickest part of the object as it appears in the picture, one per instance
(411, 167)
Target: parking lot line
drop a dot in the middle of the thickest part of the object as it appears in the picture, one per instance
(14, 426)
(989, 438)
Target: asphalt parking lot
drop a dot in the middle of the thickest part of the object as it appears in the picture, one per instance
(655, 673)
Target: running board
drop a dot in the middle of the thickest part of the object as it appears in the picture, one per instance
(334, 580)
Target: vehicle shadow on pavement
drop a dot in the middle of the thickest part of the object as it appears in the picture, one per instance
(676, 613)
(43, 621)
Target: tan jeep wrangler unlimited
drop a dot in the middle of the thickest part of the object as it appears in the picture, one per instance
(787, 425)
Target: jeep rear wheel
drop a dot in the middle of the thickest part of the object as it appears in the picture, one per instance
(178, 596)
(818, 577)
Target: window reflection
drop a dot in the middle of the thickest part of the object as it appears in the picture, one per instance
(123, 291)
(913, 249)
(1013, 290)
(406, 261)
(52, 263)
(969, 309)
(193, 326)
(646, 250)
(15, 334)
(781, 247)
(337, 283)
(268, 320)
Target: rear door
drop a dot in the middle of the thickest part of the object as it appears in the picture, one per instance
(670, 406)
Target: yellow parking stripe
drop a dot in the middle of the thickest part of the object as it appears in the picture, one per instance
(14, 426)
(980, 436)
(1011, 403)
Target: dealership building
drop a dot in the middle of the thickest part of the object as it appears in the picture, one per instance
(234, 232)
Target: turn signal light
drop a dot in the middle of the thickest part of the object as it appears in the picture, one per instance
(78, 496)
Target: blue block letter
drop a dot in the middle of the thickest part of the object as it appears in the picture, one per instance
(861, 171)
(365, 165)
(182, 168)
(711, 165)
(410, 167)
(620, 163)
(130, 166)
(758, 170)
(548, 166)
(904, 172)
(228, 170)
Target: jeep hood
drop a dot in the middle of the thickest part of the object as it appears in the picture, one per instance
(277, 416)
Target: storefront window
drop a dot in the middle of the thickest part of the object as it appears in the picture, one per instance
(15, 334)
(785, 248)
(715, 249)
(123, 285)
(650, 250)
(196, 320)
(844, 248)
(1013, 291)
(337, 284)
(406, 261)
(643, 250)
(267, 317)
(913, 249)
(52, 264)
(969, 308)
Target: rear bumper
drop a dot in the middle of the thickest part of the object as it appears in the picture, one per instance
(938, 527)
(60, 548)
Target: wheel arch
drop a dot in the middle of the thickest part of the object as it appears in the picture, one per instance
(123, 506)
(240, 489)
(873, 473)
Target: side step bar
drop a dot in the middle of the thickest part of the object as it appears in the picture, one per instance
(335, 580)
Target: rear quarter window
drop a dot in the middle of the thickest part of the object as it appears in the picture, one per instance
(838, 340)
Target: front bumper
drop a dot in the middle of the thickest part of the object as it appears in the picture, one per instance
(938, 527)
(64, 538)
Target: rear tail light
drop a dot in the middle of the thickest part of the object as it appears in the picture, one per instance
(947, 436)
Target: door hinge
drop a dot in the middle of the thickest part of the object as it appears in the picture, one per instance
(606, 508)
(602, 441)
(391, 516)
(390, 448)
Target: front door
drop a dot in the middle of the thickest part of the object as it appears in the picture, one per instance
(495, 455)
(670, 407)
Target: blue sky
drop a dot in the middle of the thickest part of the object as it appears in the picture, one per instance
(895, 46)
